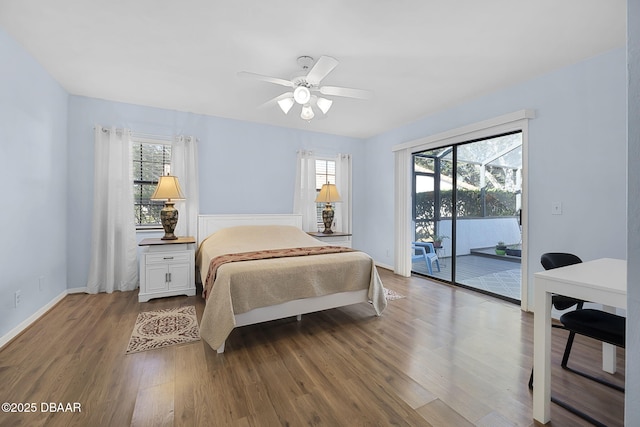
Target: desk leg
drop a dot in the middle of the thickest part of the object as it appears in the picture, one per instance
(542, 354)
(609, 359)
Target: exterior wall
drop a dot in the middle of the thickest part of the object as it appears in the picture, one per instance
(480, 233)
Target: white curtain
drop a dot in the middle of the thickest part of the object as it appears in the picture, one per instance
(305, 191)
(342, 217)
(114, 265)
(184, 165)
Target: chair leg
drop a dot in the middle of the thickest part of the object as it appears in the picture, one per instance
(577, 412)
(565, 360)
(567, 349)
(438, 264)
(429, 267)
(569, 407)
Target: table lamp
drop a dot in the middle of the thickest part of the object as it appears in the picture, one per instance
(168, 189)
(328, 194)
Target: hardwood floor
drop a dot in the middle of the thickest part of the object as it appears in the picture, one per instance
(441, 356)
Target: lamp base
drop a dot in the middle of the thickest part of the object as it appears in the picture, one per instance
(169, 219)
(327, 219)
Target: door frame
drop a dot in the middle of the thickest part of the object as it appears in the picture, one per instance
(403, 153)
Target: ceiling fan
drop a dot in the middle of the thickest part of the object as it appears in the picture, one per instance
(306, 87)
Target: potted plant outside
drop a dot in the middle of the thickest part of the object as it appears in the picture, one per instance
(514, 251)
(437, 240)
(501, 248)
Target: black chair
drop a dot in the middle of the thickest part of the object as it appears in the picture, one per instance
(597, 324)
(549, 261)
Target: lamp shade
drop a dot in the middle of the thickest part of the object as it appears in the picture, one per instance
(324, 104)
(168, 189)
(286, 104)
(328, 194)
(307, 112)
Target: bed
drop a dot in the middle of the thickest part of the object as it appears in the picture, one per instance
(247, 291)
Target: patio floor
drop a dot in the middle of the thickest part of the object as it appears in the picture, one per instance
(491, 274)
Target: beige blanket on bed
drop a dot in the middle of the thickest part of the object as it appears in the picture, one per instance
(243, 286)
(219, 261)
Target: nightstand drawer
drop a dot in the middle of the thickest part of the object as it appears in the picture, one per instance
(167, 268)
(335, 239)
(168, 257)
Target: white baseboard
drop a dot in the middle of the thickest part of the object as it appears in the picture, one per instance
(77, 291)
(28, 321)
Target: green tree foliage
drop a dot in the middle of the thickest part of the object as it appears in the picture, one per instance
(497, 203)
(470, 204)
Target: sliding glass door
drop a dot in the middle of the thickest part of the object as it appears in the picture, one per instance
(432, 189)
(466, 204)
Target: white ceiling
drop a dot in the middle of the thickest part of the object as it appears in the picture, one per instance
(417, 56)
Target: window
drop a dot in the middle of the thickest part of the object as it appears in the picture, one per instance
(312, 172)
(325, 174)
(150, 160)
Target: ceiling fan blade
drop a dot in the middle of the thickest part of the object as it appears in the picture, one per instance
(273, 101)
(275, 80)
(347, 92)
(322, 67)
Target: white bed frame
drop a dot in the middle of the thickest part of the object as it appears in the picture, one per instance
(208, 224)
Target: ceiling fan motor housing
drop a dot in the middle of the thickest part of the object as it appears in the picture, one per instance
(302, 94)
(300, 78)
(305, 62)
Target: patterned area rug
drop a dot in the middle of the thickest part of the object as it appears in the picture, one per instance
(162, 328)
(392, 295)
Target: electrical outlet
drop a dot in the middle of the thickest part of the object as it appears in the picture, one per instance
(556, 208)
(18, 297)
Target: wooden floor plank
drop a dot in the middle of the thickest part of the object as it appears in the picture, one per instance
(154, 406)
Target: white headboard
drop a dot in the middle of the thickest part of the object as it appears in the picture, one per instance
(208, 224)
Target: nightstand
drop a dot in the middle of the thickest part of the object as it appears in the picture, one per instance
(336, 238)
(167, 268)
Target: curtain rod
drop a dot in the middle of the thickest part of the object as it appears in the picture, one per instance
(321, 155)
(140, 135)
(151, 136)
(145, 137)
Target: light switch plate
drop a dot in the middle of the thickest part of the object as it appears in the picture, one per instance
(556, 208)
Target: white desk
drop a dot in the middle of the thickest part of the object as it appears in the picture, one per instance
(601, 281)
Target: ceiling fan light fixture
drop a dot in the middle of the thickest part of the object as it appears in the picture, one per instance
(307, 112)
(324, 104)
(286, 104)
(302, 95)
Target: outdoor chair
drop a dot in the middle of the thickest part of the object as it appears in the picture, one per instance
(425, 251)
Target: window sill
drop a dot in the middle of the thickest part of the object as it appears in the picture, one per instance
(148, 229)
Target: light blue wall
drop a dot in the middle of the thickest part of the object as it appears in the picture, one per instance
(632, 371)
(33, 149)
(243, 167)
(577, 155)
